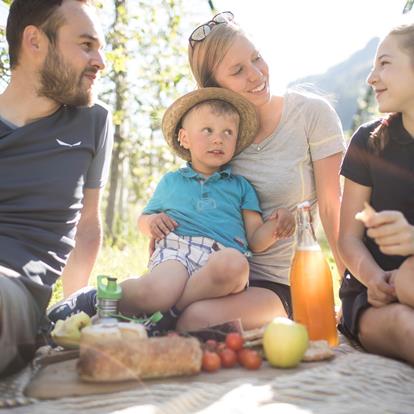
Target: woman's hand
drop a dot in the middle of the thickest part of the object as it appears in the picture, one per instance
(285, 223)
(380, 290)
(160, 225)
(391, 231)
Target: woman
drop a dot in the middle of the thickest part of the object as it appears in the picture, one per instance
(295, 156)
(377, 292)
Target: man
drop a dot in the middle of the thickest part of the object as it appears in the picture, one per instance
(55, 147)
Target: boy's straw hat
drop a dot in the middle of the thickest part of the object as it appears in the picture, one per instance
(171, 122)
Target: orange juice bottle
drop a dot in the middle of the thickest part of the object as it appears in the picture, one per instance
(311, 283)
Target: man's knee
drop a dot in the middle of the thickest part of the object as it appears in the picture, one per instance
(19, 321)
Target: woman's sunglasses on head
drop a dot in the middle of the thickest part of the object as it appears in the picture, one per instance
(201, 32)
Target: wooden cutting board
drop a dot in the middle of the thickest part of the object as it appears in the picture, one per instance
(60, 379)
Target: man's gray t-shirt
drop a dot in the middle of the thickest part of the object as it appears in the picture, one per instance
(280, 168)
(44, 168)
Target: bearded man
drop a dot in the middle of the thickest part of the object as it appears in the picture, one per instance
(55, 147)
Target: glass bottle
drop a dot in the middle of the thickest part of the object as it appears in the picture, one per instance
(311, 282)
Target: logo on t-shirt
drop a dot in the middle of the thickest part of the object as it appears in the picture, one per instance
(65, 144)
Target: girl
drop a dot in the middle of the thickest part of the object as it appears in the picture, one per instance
(295, 156)
(378, 291)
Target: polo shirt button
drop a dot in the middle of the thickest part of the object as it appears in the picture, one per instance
(258, 148)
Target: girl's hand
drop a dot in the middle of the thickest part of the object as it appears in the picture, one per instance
(285, 223)
(391, 231)
(380, 290)
(160, 225)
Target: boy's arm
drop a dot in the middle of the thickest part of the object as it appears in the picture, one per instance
(261, 235)
(156, 225)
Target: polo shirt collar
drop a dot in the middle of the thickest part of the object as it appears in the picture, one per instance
(398, 133)
(188, 172)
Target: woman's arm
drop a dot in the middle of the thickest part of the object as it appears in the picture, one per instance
(356, 256)
(328, 191)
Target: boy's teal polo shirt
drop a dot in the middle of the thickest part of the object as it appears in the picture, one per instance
(210, 207)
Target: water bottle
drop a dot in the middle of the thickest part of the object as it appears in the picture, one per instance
(108, 296)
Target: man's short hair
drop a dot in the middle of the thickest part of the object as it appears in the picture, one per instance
(41, 13)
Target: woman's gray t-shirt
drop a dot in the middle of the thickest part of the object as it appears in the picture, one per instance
(280, 168)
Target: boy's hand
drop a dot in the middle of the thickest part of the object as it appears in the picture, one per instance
(285, 223)
(160, 225)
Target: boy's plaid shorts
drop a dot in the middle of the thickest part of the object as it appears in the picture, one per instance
(192, 251)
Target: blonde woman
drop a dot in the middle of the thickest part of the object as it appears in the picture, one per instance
(295, 156)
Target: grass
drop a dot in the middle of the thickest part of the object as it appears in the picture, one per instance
(130, 260)
(133, 258)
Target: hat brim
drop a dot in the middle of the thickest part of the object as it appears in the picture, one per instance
(171, 120)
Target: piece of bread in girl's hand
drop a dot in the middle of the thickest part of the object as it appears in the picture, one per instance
(365, 214)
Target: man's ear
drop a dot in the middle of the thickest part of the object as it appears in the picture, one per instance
(34, 41)
(183, 138)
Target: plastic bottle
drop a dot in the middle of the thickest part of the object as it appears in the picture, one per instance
(108, 296)
(311, 283)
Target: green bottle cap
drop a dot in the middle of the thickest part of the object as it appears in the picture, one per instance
(108, 289)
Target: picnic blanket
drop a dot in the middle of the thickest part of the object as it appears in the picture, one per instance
(353, 381)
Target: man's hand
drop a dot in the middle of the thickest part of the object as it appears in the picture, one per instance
(285, 223)
(161, 225)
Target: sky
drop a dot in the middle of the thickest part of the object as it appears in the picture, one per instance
(305, 37)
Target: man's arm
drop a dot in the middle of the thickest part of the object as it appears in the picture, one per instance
(88, 242)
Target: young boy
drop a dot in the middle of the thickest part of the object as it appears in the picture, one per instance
(205, 220)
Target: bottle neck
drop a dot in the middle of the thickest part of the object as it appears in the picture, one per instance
(306, 234)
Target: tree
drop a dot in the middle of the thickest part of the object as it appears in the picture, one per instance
(147, 68)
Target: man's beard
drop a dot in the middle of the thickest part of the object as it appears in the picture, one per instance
(60, 82)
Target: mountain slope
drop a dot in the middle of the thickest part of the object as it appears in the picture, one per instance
(345, 83)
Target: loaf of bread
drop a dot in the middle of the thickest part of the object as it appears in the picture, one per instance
(114, 354)
(318, 351)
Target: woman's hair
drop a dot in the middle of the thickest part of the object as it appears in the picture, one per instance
(379, 137)
(207, 54)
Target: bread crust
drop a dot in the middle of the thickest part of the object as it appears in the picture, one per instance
(114, 355)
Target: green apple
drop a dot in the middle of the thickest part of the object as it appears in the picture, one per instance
(285, 342)
(67, 333)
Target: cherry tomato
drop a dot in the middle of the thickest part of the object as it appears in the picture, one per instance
(211, 361)
(211, 345)
(249, 358)
(234, 341)
(228, 358)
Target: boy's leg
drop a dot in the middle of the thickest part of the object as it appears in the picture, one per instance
(157, 290)
(226, 272)
(20, 319)
(389, 331)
